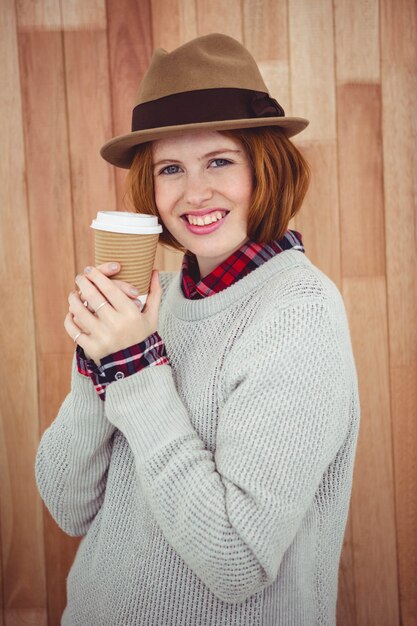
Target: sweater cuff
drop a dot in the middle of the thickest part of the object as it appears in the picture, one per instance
(147, 409)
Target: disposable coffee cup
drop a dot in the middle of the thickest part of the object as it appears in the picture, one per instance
(130, 239)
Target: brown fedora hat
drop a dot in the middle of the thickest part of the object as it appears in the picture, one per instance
(211, 82)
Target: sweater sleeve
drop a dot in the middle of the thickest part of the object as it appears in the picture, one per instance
(232, 514)
(73, 456)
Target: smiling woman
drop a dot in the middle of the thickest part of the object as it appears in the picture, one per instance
(281, 177)
(209, 464)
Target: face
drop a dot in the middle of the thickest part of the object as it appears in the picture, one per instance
(199, 171)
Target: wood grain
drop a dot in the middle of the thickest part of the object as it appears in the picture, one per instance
(129, 52)
(79, 15)
(21, 526)
(400, 192)
(312, 67)
(399, 128)
(356, 32)
(39, 15)
(265, 34)
(372, 503)
(51, 228)
(224, 18)
(26, 617)
(89, 125)
(3, 456)
(319, 218)
(360, 179)
(168, 23)
(404, 411)
(398, 33)
(265, 30)
(359, 158)
(47, 159)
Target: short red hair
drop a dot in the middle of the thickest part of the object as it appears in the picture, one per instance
(281, 180)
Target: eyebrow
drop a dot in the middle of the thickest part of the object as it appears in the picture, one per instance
(200, 159)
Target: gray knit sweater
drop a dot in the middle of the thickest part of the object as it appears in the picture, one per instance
(214, 491)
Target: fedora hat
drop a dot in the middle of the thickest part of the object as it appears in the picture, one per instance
(211, 82)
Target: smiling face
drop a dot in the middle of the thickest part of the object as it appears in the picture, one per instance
(199, 171)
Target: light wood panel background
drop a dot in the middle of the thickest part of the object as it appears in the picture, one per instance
(69, 74)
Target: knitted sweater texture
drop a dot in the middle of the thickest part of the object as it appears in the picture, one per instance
(214, 491)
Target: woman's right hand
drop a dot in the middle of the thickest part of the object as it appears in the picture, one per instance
(123, 285)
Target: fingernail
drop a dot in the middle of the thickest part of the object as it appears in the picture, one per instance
(114, 266)
(88, 269)
(134, 291)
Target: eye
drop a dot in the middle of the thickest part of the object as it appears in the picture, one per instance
(163, 171)
(224, 161)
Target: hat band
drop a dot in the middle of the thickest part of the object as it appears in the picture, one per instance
(204, 105)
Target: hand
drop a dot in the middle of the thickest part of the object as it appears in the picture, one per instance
(106, 268)
(117, 325)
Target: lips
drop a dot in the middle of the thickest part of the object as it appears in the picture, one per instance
(207, 228)
(203, 213)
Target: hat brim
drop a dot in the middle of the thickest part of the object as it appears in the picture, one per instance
(120, 150)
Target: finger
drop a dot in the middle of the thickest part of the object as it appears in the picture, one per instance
(85, 302)
(108, 269)
(83, 340)
(91, 294)
(87, 319)
(71, 327)
(79, 323)
(95, 285)
(127, 288)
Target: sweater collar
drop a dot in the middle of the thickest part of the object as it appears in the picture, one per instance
(240, 263)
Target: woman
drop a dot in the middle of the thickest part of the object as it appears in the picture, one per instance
(206, 447)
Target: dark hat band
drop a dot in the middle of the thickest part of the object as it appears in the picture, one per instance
(205, 105)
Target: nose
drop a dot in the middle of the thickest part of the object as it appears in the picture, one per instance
(198, 189)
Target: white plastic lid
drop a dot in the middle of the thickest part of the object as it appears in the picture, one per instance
(126, 222)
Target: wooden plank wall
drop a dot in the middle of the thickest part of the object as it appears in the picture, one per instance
(70, 71)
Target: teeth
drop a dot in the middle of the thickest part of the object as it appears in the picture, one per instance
(208, 219)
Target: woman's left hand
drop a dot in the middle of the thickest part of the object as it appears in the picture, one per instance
(117, 325)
